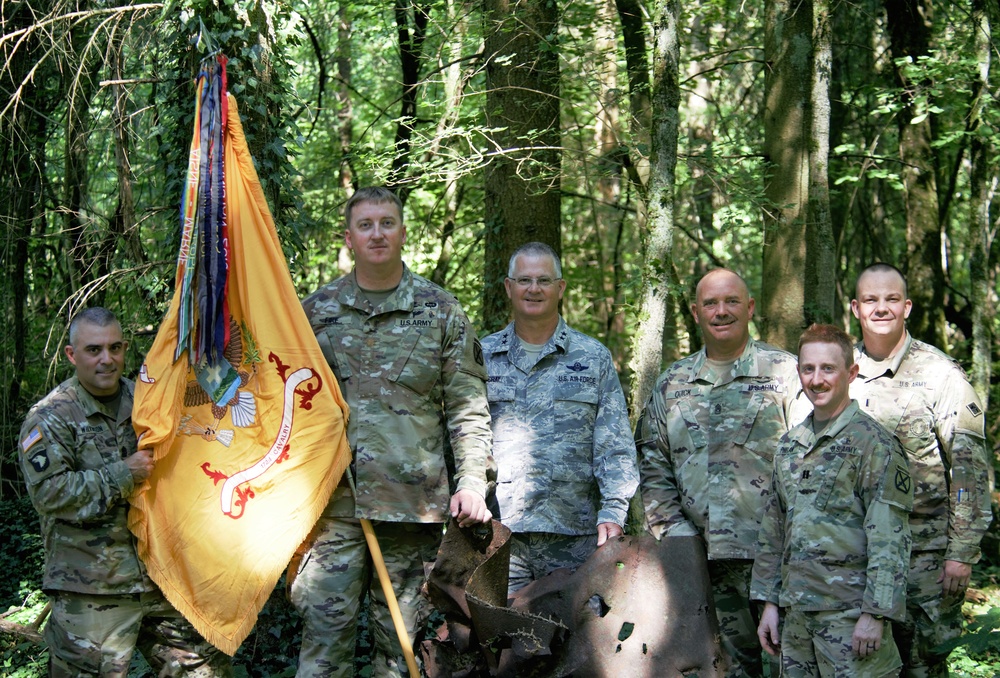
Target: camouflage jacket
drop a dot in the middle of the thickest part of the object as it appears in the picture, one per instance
(412, 372)
(923, 397)
(72, 456)
(834, 534)
(561, 435)
(705, 449)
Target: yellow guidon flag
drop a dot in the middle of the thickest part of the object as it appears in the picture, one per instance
(245, 419)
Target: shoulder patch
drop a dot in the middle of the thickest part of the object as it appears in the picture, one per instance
(897, 488)
(34, 436)
(477, 352)
(39, 460)
(902, 480)
(974, 409)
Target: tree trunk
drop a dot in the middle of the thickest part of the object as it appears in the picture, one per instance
(909, 23)
(345, 113)
(787, 125)
(630, 13)
(980, 271)
(648, 343)
(820, 273)
(411, 44)
(84, 261)
(522, 108)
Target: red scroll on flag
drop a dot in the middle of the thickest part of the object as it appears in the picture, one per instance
(245, 419)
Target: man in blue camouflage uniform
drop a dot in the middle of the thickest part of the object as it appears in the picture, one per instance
(561, 435)
(411, 369)
(706, 441)
(81, 461)
(924, 398)
(834, 541)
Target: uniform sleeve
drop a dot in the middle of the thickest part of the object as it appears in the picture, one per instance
(960, 431)
(887, 489)
(615, 467)
(57, 487)
(660, 494)
(765, 584)
(467, 411)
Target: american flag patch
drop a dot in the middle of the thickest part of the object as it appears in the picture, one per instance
(34, 435)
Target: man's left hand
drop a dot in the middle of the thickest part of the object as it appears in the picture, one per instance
(867, 637)
(469, 508)
(954, 577)
(606, 531)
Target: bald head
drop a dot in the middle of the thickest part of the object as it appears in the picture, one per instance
(723, 309)
(722, 274)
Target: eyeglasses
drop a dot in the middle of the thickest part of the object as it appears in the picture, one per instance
(543, 282)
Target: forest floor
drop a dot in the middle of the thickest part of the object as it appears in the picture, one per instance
(272, 648)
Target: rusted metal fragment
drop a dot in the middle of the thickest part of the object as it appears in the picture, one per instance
(637, 607)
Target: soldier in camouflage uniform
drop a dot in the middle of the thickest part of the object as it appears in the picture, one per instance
(561, 434)
(834, 542)
(923, 397)
(81, 462)
(706, 440)
(411, 369)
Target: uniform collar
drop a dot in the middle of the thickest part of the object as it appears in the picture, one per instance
(806, 436)
(510, 344)
(92, 405)
(351, 294)
(745, 365)
(867, 364)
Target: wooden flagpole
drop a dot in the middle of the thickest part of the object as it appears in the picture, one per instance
(390, 598)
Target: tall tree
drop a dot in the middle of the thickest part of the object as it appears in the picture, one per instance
(23, 131)
(411, 42)
(787, 125)
(522, 111)
(909, 23)
(981, 229)
(820, 273)
(666, 95)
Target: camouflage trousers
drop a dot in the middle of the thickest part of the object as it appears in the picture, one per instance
(95, 635)
(818, 644)
(931, 618)
(332, 580)
(534, 554)
(738, 617)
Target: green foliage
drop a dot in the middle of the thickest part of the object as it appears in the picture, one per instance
(981, 635)
(21, 560)
(271, 649)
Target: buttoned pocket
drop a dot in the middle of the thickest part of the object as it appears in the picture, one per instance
(839, 480)
(695, 431)
(575, 413)
(417, 365)
(328, 341)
